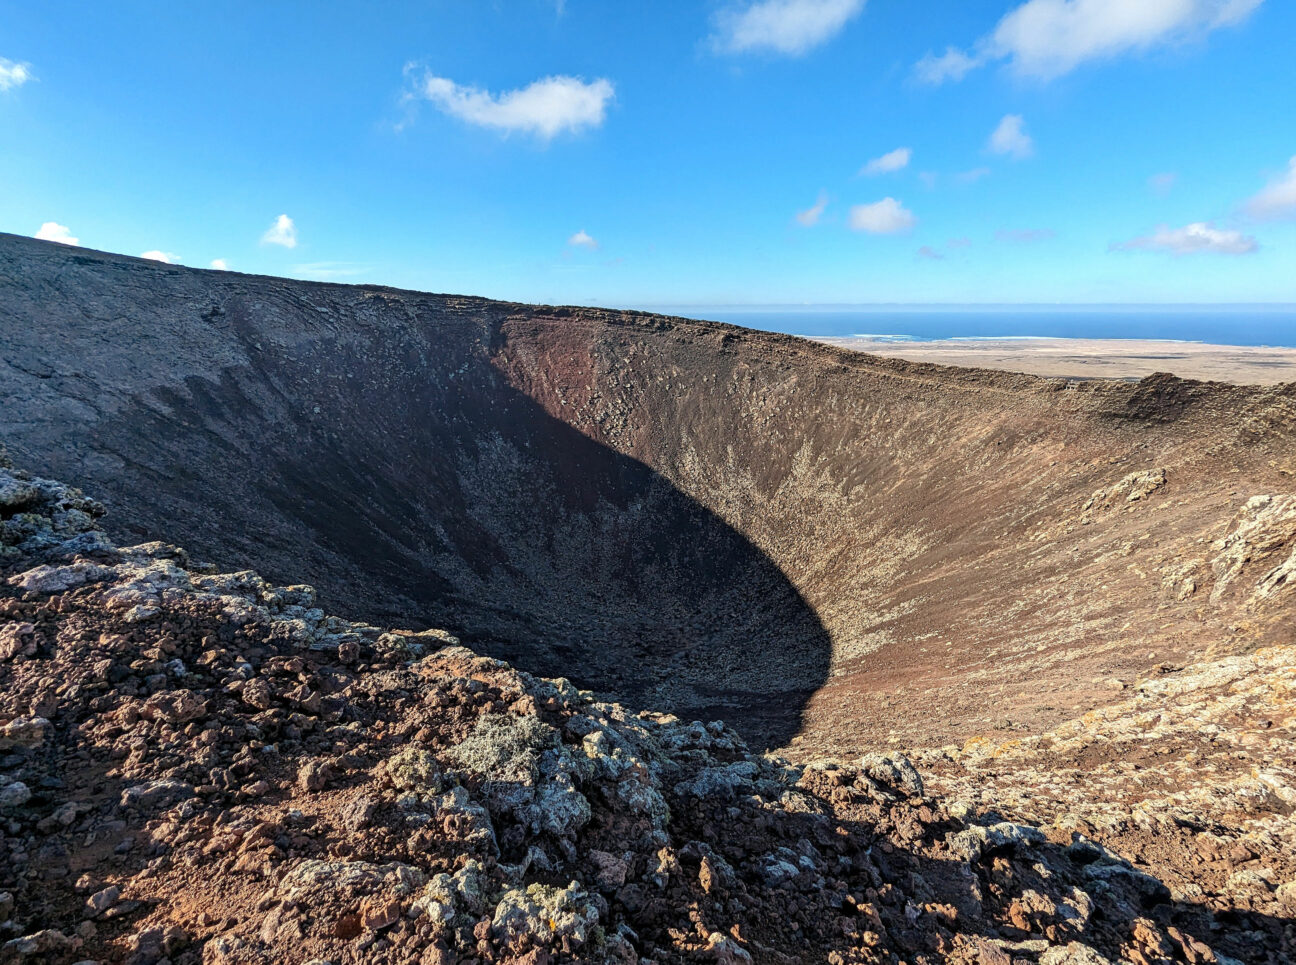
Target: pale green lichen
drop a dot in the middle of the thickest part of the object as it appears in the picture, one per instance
(561, 917)
(415, 770)
(505, 748)
(463, 894)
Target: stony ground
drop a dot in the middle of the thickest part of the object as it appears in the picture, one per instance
(1193, 776)
(202, 767)
(815, 545)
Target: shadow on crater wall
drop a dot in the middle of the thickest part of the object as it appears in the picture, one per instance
(681, 514)
(432, 493)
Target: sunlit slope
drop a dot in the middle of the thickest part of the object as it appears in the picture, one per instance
(687, 515)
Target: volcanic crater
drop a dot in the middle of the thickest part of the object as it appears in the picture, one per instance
(825, 549)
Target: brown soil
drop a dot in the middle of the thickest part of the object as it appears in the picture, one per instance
(1073, 598)
(827, 549)
(203, 768)
(1094, 358)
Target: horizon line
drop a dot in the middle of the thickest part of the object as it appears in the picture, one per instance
(977, 306)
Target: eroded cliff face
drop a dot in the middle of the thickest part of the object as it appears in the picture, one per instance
(819, 547)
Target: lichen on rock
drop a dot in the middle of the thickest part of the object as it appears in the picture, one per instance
(354, 799)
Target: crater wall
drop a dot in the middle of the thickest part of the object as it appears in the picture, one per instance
(821, 547)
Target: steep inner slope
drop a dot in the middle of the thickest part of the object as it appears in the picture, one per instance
(202, 769)
(811, 544)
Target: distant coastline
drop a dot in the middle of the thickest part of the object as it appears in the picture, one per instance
(1243, 325)
(1006, 338)
(1090, 358)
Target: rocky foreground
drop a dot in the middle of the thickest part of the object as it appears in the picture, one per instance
(202, 767)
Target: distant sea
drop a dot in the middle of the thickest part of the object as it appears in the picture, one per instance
(1273, 325)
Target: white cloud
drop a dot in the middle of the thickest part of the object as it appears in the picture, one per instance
(1162, 184)
(283, 232)
(885, 217)
(1193, 239)
(582, 239)
(1278, 200)
(892, 161)
(1045, 39)
(165, 257)
(973, 176)
(811, 215)
(790, 27)
(53, 231)
(13, 74)
(220, 264)
(545, 108)
(951, 65)
(1010, 138)
(1048, 38)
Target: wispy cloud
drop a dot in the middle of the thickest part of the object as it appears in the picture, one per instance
(546, 108)
(283, 233)
(896, 160)
(1044, 39)
(1196, 238)
(811, 215)
(1025, 236)
(790, 27)
(53, 231)
(1162, 184)
(1278, 199)
(13, 74)
(220, 264)
(885, 217)
(166, 257)
(973, 176)
(582, 239)
(954, 64)
(1010, 138)
(932, 253)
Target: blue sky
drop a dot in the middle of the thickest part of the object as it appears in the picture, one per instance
(1071, 151)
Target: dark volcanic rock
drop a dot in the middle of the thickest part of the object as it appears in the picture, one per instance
(680, 514)
(213, 783)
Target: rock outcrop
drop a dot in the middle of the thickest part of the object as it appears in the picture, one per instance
(202, 767)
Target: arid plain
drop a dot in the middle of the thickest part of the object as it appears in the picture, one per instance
(1094, 358)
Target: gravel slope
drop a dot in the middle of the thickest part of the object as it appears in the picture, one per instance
(203, 767)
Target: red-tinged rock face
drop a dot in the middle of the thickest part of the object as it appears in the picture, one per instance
(206, 767)
(680, 514)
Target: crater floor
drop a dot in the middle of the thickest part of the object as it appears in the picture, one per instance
(202, 768)
(1072, 600)
(829, 550)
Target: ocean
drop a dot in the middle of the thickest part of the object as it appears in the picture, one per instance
(1272, 325)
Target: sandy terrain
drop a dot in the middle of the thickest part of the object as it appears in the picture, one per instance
(1093, 358)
